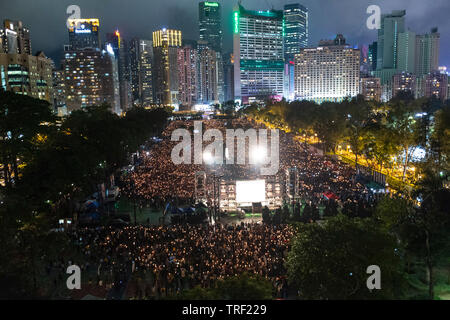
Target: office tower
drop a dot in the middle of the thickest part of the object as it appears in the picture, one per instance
(210, 24)
(427, 52)
(329, 72)
(228, 77)
(165, 49)
(141, 61)
(436, 85)
(121, 54)
(406, 53)
(391, 25)
(90, 78)
(84, 33)
(372, 56)
(188, 75)
(15, 38)
(258, 54)
(27, 74)
(403, 82)
(371, 89)
(296, 29)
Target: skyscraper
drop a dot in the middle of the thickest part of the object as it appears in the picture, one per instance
(141, 61)
(406, 53)
(427, 52)
(210, 24)
(15, 38)
(188, 75)
(391, 25)
(208, 76)
(329, 72)
(84, 33)
(296, 29)
(228, 77)
(258, 54)
(165, 49)
(120, 48)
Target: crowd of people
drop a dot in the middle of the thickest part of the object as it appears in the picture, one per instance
(169, 259)
(158, 179)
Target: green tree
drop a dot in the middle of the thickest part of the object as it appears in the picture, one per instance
(25, 123)
(329, 261)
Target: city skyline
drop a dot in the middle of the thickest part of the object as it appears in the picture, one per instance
(138, 19)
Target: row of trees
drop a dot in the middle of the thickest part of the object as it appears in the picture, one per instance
(380, 132)
(329, 260)
(48, 165)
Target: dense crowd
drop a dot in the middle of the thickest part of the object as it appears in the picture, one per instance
(159, 179)
(173, 258)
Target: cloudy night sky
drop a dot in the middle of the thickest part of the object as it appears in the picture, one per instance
(138, 18)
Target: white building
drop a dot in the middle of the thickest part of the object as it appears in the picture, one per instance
(329, 72)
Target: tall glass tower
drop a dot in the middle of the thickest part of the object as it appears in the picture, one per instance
(295, 25)
(210, 24)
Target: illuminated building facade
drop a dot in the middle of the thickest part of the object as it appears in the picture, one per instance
(371, 89)
(403, 82)
(188, 75)
(84, 33)
(15, 38)
(436, 85)
(90, 78)
(165, 74)
(121, 54)
(208, 76)
(210, 24)
(330, 72)
(258, 54)
(27, 75)
(141, 62)
(296, 29)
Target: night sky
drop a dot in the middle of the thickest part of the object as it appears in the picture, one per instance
(138, 18)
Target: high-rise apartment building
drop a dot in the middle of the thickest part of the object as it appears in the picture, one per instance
(436, 85)
(84, 33)
(15, 38)
(330, 72)
(188, 75)
(165, 49)
(258, 54)
(90, 78)
(371, 89)
(208, 76)
(403, 82)
(427, 53)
